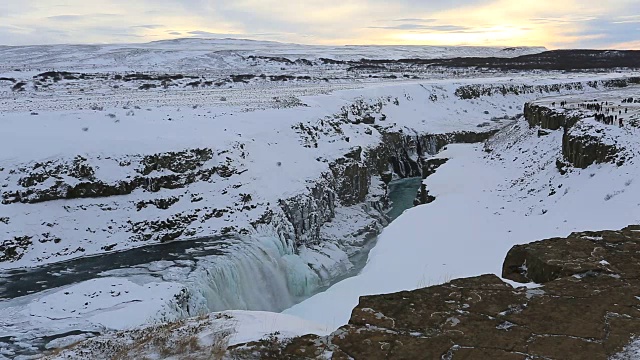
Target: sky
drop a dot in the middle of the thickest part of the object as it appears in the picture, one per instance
(549, 23)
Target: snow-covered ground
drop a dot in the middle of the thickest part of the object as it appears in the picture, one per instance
(267, 151)
(203, 337)
(486, 203)
(266, 144)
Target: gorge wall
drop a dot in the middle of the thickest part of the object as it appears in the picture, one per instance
(583, 142)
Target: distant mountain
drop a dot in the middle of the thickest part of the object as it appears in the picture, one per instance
(224, 54)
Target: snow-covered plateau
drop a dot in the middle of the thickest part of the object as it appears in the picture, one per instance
(227, 181)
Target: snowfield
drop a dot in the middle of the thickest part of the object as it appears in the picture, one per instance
(100, 176)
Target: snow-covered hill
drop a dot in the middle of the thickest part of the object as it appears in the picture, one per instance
(220, 53)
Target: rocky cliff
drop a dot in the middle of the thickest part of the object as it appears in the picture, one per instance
(405, 151)
(588, 143)
(429, 167)
(547, 118)
(584, 141)
(351, 178)
(159, 197)
(585, 308)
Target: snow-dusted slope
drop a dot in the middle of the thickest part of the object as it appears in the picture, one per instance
(206, 168)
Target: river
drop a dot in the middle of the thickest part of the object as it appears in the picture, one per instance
(221, 273)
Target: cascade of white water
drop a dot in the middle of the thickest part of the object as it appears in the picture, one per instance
(264, 271)
(260, 272)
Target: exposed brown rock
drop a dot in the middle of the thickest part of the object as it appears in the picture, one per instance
(586, 309)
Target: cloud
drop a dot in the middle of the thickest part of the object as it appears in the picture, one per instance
(563, 19)
(444, 28)
(414, 20)
(203, 33)
(627, 19)
(600, 33)
(552, 23)
(208, 34)
(66, 17)
(151, 27)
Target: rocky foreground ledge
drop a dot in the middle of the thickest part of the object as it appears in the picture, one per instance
(586, 308)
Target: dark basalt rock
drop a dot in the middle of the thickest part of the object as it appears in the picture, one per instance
(405, 153)
(369, 119)
(583, 143)
(587, 309)
(582, 147)
(547, 118)
(187, 167)
(542, 132)
(352, 180)
(14, 249)
(429, 166)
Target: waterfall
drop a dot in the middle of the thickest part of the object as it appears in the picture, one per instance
(264, 271)
(259, 272)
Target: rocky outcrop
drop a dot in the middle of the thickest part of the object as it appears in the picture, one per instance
(475, 91)
(351, 177)
(613, 254)
(585, 144)
(60, 179)
(306, 213)
(546, 118)
(406, 152)
(348, 182)
(587, 309)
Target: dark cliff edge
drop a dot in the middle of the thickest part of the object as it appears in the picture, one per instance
(350, 178)
(586, 308)
(347, 183)
(429, 167)
(583, 144)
